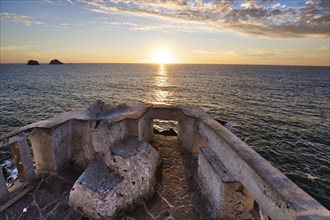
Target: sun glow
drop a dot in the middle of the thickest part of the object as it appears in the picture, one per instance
(162, 56)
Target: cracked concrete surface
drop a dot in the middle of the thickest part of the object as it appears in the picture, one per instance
(48, 200)
(178, 195)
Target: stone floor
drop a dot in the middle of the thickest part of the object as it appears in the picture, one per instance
(47, 200)
(177, 193)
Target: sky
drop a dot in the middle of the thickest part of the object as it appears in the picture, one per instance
(271, 32)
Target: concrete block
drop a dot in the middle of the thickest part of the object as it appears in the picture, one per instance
(100, 186)
(61, 142)
(186, 135)
(125, 177)
(51, 147)
(44, 156)
(145, 128)
(137, 161)
(23, 160)
(99, 178)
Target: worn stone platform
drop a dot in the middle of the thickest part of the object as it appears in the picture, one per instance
(47, 200)
(177, 193)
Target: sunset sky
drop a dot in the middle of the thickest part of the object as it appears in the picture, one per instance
(225, 32)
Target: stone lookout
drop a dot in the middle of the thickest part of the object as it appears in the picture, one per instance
(105, 162)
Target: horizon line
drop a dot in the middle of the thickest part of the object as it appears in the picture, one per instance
(240, 64)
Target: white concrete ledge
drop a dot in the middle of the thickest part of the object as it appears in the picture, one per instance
(57, 120)
(278, 196)
(217, 165)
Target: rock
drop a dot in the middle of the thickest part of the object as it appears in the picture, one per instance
(32, 62)
(55, 61)
(221, 121)
(168, 132)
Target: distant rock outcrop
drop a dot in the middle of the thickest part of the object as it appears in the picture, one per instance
(32, 62)
(55, 61)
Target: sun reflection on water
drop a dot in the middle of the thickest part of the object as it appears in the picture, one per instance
(160, 82)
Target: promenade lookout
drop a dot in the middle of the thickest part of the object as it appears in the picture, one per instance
(105, 162)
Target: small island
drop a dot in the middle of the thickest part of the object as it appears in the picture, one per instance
(55, 61)
(32, 62)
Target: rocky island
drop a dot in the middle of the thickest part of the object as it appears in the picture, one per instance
(55, 61)
(32, 62)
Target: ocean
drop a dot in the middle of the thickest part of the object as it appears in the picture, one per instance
(282, 112)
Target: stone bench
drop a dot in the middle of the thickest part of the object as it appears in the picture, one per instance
(227, 197)
(117, 181)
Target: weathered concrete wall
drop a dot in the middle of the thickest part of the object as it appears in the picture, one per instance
(133, 127)
(92, 139)
(44, 156)
(278, 196)
(228, 198)
(187, 133)
(145, 128)
(61, 142)
(106, 133)
(51, 147)
(23, 160)
(165, 112)
(82, 151)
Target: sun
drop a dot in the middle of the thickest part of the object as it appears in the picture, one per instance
(162, 56)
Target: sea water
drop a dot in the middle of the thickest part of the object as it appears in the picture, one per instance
(282, 112)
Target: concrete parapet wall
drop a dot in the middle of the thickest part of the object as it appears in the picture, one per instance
(51, 147)
(228, 198)
(44, 155)
(278, 196)
(81, 136)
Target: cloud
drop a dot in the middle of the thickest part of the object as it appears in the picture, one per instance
(259, 18)
(15, 47)
(25, 20)
(164, 26)
(216, 52)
